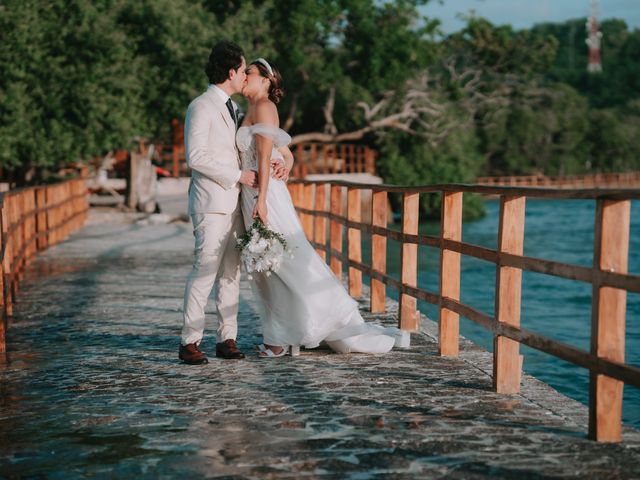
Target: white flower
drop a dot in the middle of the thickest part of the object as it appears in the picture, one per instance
(261, 250)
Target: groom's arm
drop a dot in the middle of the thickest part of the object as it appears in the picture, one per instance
(199, 157)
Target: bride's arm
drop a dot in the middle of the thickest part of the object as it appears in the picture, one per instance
(288, 157)
(280, 171)
(265, 113)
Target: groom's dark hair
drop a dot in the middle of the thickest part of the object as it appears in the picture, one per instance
(225, 55)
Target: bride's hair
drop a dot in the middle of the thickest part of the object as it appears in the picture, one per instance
(275, 88)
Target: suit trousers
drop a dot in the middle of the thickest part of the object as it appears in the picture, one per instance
(215, 257)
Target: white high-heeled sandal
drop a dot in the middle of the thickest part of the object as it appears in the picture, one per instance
(268, 353)
(293, 350)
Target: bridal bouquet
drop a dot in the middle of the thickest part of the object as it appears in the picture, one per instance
(261, 249)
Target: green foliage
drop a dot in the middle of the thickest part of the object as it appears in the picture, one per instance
(70, 86)
(80, 78)
(620, 80)
(411, 162)
(503, 50)
(615, 139)
(543, 131)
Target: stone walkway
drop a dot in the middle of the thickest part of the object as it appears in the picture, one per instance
(91, 386)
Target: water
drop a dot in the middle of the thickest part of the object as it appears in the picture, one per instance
(560, 230)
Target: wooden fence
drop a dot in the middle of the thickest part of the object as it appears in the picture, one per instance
(311, 158)
(596, 180)
(33, 219)
(319, 206)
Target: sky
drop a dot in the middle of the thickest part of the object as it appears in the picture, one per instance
(526, 13)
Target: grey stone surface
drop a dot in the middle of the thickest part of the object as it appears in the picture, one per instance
(91, 386)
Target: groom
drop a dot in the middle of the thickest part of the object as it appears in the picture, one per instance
(210, 146)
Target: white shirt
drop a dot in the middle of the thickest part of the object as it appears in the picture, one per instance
(225, 98)
(221, 93)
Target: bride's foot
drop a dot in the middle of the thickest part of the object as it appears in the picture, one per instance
(271, 351)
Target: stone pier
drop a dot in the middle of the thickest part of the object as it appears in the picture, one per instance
(92, 387)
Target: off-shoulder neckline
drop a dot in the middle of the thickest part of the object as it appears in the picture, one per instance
(261, 125)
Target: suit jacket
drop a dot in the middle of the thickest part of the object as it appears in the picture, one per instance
(210, 147)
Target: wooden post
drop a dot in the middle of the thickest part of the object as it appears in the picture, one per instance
(3, 315)
(14, 237)
(450, 229)
(8, 256)
(336, 229)
(359, 158)
(507, 361)
(320, 227)
(299, 161)
(378, 250)
(325, 158)
(354, 240)
(409, 260)
(368, 158)
(31, 227)
(296, 194)
(21, 239)
(350, 165)
(343, 157)
(334, 158)
(132, 180)
(611, 254)
(313, 156)
(307, 203)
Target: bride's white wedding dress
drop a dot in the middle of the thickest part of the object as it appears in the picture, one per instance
(303, 303)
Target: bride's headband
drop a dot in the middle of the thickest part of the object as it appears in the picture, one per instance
(264, 63)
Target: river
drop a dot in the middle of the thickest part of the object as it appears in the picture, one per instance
(560, 230)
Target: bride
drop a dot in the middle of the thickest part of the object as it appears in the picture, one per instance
(303, 302)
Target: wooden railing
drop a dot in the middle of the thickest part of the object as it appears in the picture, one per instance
(320, 205)
(596, 180)
(313, 158)
(33, 219)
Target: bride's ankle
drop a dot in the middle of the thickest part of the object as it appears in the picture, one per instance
(274, 348)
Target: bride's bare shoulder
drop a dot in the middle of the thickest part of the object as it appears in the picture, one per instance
(266, 112)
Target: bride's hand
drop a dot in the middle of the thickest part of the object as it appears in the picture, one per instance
(279, 171)
(260, 210)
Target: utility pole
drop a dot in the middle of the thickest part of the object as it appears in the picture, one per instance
(594, 39)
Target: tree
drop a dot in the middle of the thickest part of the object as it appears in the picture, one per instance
(70, 86)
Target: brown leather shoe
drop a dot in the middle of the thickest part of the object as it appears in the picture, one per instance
(192, 355)
(229, 350)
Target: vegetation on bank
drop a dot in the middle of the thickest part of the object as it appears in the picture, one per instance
(81, 78)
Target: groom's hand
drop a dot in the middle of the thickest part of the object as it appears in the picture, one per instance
(249, 178)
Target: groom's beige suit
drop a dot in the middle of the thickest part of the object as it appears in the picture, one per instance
(210, 146)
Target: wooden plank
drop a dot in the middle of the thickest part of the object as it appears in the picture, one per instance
(507, 361)
(378, 250)
(610, 194)
(320, 227)
(354, 240)
(628, 282)
(409, 319)
(336, 228)
(611, 253)
(450, 229)
(626, 373)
